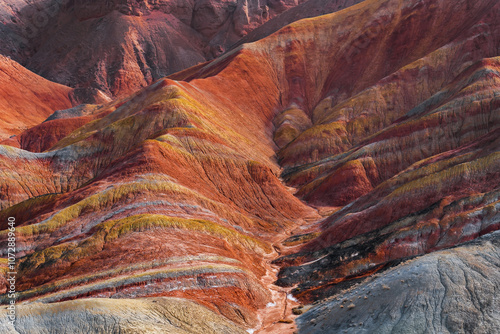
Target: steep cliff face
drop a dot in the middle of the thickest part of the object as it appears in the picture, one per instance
(411, 162)
(383, 117)
(141, 315)
(450, 291)
(434, 204)
(119, 46)
(189, 173)
(43, 136)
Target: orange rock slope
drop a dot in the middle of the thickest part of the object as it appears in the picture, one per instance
(382, 116)
(27, 99)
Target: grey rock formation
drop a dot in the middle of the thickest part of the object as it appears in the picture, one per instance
(450, 291)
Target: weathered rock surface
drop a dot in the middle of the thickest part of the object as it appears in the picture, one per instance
(148, 315)
(410, 173)
(119, 46)
(61, 123)
(27, 99)
(450, 291)
(306, 9)
(104, 213)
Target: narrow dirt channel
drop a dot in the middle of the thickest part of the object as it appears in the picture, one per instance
(277, 316)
